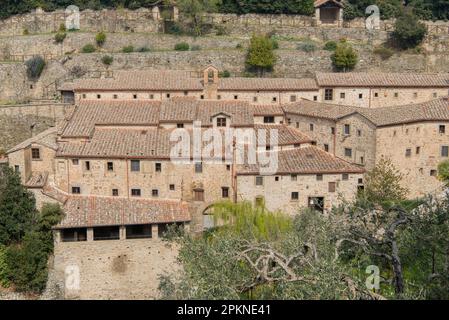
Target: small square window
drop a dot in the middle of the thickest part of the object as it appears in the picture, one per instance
(198, 195)
(360, 95)
(347, 129)
(445, 151)
(319, 177)
(442, 129)
(345, 176)
(236, 97)
(292, 98)
(110, 166)
(408, 152)
(274, 99)
(332, 186)
(295, 196)
(225, 192)
(221, 122)
(155, 193)
(151, 96)
(198, 167)
(84, 96)
(332, 130)
(180, 125)
(158, 167)
(348, 152)
(76, 190)
(115, 192)
(168, 95)
(186, 93)
(115, 96)
(172, 187)
(396, 95)
(376, 94)
(17, 169)
(134, 96)
(415, 95)
(218, 97)
(359, 132)
(135, 192)
(202, 97)
(276, 178)
(268, 119)
(418, 150)
(311, 127)
(360, 181)
(342, 95)
(135, 165)
(259, 181)
(35, 153)
(254, 99)
(315, 98)
(326, 147)
(328, 94)
(433, 173)
(228, 167)
(98, 96)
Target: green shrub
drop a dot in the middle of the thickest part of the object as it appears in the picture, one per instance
(224, 74)
(128, 49)
(60, 36)
(175, 29)
(107, 60)
(62, 28)
(408, 31)
(239, 46)
(221, 30)
(345, 57)
(4, 271)
(26, 32)
(384, 53)
(195, 47)
(275, 43)
(35, 66)
(330, 46)
(100, 38)
(260, 57)
(307, 47)
(182, 46)
(88, 48)
(143, 49)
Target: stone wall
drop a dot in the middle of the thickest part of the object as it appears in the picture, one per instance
(121, 20)
(116, 269)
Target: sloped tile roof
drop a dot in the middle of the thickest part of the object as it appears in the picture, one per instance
(286, 135)
(268, 110)
(267, 84)
(46, 138)
(110, 112)
(37, 180)
(434, 110)
(91, 211)
(397, 80)
(305, 160)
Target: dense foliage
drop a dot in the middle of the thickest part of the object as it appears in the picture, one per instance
(260, 57)
(344, 58)
(26, 237)
(304, 7)
(35, 66)
(408, 31)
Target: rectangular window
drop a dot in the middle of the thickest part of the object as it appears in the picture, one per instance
(254, 99)
(218, 97)
(292, 98)
(158, 167)
(186, 93)
(268, 119)
(345, 176)
(396, 95)
(259, 201)
(135, 165)
(115, 96)
(435, 95)
(442, 129)
(433, 173)
(332, 186)
(35, 153)
(445, 151)
(202, 97)
(418, 150)
(76, 190)
(360, 95)
(259, 181)
(347, 129)
(172, 187)
(135, 192)
(155, 193)
(110, 166)
(294, 177)
(151, 96)
(342, 95)
(274, 99)
(198, 167)
(225, 192)
(348, 152)
(326, 147)
(134, 96)
(115, 192)
(315, 98)
(328, 94)
(87, 165)
(198, 195)
(180, 125)
(98, 96)
(311, 127)
(84, 96)
(408, 152)
(359, 132)
(168, 95)
(332, 130)
(236, 97)
(415, 95)
(376, 94)
(319, 177)
(228, 167)
(17, 169)
(221, 122)
(295, 196)
(75, 162)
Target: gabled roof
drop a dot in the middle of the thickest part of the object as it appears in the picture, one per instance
(305, 160)
(286, 135)
(261, 84)
(319, 3)
(382, 80)
(46, 138)
(434, 110)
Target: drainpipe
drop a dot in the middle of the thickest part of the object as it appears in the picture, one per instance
(233, 171)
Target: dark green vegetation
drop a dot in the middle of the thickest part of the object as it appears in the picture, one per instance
(260, 57)
(344, 58)
(35, 66)
(256, 254)
(26, 238)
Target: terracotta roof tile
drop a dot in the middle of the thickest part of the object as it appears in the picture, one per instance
(286, 135)
(305, 160)
(46, 138)
(90, 211)
(260, 84)
(354, 79)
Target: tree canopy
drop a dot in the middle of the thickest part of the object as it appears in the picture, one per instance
(260, 56)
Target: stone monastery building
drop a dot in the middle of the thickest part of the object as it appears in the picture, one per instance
(109, 163)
